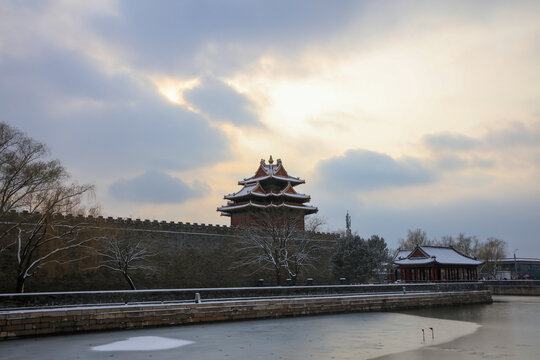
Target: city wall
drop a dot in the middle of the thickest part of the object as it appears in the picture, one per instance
(188, 255)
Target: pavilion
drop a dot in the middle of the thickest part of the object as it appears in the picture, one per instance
(434, 263)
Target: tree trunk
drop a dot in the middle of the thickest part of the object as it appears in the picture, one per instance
(278, 276)
(20, 284)
(128, 279)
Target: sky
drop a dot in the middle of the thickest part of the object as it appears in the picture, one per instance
(407, 114)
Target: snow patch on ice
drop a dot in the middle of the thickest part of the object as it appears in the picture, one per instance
(143, 343)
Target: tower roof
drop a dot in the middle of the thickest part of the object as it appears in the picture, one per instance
(271, 171)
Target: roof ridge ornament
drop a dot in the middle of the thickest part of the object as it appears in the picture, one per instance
(270, 161)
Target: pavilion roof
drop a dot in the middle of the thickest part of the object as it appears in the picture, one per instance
(422, 255)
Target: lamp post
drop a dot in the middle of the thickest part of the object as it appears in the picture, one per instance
(515, 264)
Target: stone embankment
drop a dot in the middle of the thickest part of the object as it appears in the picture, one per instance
(513, 287)
(20, 322)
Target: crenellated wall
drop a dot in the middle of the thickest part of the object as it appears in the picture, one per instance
(188, 255)
(153, 225)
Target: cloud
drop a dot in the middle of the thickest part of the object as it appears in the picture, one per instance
(186, 36)
(450, 141)
(513, 135)
(118, 120)
(497, 147)
(368, 170)
(157, 188)
(513, 218)
(222, 103)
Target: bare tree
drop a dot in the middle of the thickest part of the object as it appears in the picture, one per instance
(126, 256)
(277, 242)
(314, 223)
(466, 244)
(415, 237)
(491, 251)
(38, 187)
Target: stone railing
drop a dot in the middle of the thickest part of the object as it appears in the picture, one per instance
(48, 299)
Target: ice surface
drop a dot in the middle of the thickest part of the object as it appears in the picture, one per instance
(142, 343)
(345, 336)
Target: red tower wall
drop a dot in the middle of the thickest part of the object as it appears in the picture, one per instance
(244, 219)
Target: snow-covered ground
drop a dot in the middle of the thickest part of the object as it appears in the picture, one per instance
(142, 343)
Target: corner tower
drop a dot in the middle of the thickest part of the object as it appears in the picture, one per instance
(270, 187)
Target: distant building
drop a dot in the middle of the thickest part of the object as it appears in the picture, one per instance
(270, 187)
(434, 263)
(518, 268)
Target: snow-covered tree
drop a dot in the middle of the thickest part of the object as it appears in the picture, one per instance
(126, 256)
(360, 260)
(277, 242)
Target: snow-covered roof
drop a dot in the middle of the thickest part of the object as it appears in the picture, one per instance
(277, 177)
(257, 190)
(227, 208)
(421, 255)
(246, 190)
(401, 254)
(271, 171)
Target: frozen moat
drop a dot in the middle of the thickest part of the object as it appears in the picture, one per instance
(506, 329)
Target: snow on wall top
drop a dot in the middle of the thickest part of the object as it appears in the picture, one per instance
(15, 217)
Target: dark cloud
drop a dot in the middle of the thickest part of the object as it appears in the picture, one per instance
(100, 123)
(450, 141)
(452, 151)
(157, 188)
(183, 36)
(367, 170)
(512, 218)
(514, 134)
(222, 103)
